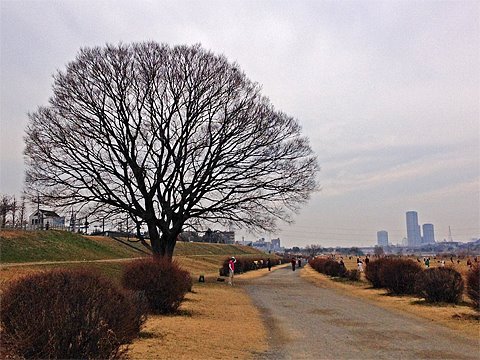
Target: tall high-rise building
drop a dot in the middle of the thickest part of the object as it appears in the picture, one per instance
(414, 237)
(382, 238)
(428, 234)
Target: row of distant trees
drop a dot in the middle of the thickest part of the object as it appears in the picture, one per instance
(12, 211)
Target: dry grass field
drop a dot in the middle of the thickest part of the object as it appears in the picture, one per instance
(216, 321)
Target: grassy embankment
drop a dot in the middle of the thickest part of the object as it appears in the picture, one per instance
(28, 251)
(197, 331)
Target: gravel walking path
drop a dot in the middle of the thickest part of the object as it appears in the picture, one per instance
(308, 322)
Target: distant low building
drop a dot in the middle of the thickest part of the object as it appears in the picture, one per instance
(45, 219)
(276, 244)
(267, 246)
(219, 237)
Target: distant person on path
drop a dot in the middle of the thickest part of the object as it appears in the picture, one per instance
(269, 264)
(293, 264)
(367, 260)
(231, 270)
(427, 263)
(469, 263)
(360, 264)
(299, 263)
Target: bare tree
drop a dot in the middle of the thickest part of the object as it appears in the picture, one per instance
(314, 249)
(14, 209)
(5, 208)
(172, 136)
(22, 213)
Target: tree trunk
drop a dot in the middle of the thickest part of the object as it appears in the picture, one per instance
(155, 240)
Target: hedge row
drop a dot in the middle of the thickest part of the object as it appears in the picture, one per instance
(405, 276)
(331, 267)
(77, 314)
(244, 264)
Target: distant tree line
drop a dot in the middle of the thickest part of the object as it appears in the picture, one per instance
(12, 212)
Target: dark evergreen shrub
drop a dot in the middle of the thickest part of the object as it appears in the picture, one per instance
(372, 272)
(440, 285)
(161, 281)
(398, 275)
(68, 314)
(473, 286)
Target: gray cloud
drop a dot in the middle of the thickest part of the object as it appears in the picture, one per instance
(387, 92)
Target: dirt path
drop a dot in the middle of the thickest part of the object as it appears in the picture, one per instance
(61, 262)
(308, 322)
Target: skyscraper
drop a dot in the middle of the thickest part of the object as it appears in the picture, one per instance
(413, 229)
(382, 238)
(428, 234)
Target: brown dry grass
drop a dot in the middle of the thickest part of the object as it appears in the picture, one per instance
(460, 317)
(216, 321)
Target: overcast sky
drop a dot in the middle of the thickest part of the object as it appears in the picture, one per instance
(388, 93)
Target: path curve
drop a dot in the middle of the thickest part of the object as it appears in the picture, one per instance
(308, 322)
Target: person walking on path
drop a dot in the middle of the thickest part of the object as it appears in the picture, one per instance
(360, 264)
(293, 264)
(231, 270)
(269, 264)
(299, 263)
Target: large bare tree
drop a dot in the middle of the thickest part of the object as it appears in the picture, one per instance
(173, 136)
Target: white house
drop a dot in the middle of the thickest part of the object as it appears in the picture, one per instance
(45, 219)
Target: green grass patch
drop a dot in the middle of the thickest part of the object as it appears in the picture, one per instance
(56, 245)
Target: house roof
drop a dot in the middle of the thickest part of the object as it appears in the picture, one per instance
(46, 213)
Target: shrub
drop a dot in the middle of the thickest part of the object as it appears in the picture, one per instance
(333, 268)
(440, 285)
(398, 275)
(327, 266)
(161, 281)
(352, 275)
(473, 286)
(318, 264)
(372, 272)
(68, 314)
(245, 264)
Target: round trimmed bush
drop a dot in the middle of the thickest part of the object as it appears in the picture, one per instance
(372, 272)
(68, 314)
(333, 268)
(473, 286)
(398, 275)
(161, 281)
(440, 285)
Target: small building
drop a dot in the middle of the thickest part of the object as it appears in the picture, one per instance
(45, 219)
